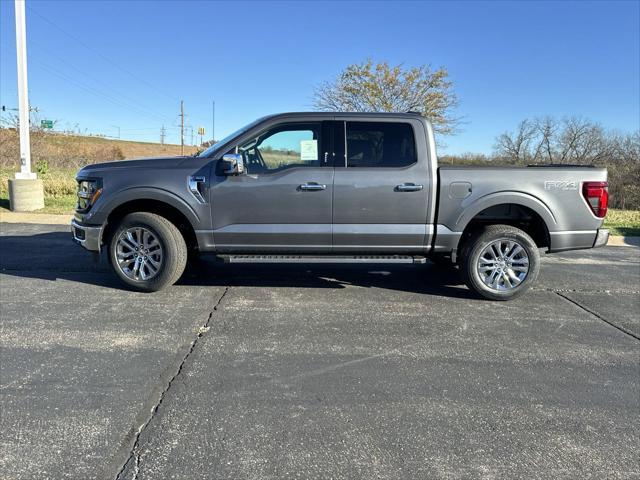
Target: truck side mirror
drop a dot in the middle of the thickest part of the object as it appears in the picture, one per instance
(233, 164)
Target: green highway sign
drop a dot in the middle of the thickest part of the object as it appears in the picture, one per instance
(46, 123)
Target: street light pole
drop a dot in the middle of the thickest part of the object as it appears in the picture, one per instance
(26, 192)
(23, 96)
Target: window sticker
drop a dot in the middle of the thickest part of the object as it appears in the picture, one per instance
(308, 149)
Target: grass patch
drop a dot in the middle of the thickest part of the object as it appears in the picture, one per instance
(58, 205)
(62, 205)
(623, 222)
(59, 189)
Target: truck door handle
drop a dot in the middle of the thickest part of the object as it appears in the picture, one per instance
(312, 187)
(408, 187)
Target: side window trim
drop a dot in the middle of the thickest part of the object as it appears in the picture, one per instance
(346, 153)
(336, 144)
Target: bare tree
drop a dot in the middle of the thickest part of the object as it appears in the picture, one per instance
(369, 87)
(516, 146)
(545, 130)
(624, 171)
(579, 141)
(10, 121)
(582, 142)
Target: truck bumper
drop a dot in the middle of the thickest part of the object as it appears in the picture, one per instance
(601, 238)
(577, 240)
(89, 236)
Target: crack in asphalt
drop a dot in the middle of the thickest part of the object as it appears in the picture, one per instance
(135, 453)
(579, 290)
(597, 315)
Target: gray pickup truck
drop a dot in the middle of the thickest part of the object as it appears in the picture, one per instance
(336, 187)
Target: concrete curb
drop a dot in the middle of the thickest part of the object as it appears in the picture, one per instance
(7, 216)
(623, 241)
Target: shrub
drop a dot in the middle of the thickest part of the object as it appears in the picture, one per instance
(42, 167)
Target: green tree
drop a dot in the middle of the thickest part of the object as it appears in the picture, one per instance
(369, 87)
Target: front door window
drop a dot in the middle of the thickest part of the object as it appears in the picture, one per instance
(286, 146)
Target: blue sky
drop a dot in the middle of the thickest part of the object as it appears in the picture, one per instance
(101, 64)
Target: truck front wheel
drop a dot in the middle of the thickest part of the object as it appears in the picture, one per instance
(147, 252)
(500, 262)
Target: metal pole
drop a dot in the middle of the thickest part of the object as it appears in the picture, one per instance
(23, 97)
(181, 127)
(213, 121)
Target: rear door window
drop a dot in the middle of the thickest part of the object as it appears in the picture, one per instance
(379, 144)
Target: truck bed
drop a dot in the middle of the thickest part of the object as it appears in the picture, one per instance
(553, 195)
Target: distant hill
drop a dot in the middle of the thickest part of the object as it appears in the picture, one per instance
(73, 151)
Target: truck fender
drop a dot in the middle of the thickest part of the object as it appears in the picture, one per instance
(150, 193)
(501, 198)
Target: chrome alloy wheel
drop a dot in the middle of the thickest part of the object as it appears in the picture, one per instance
(139, 253)
(503, 265)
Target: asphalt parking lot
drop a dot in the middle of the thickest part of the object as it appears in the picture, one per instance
(366, 371)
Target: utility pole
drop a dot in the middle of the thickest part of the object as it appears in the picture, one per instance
(163, 132)
(213, 121)
(116, 126)
(26, 192)
(23, 93)
(191, 128)
(181, 127)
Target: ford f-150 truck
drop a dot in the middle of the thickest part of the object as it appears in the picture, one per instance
(336, 187)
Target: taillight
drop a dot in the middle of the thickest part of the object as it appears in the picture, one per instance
(597, 196)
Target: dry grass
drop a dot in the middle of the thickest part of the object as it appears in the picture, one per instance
(58, 157)
(57, 183)
(623, 222)
(68, 151)
(274, 159)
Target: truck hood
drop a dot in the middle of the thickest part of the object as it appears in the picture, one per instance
(153, 163)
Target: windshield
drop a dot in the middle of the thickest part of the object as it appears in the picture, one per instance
(216, 146)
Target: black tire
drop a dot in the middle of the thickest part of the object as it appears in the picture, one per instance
(474, 247)
(173, 250)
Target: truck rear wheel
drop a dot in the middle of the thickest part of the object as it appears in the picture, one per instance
(500, 262)
(147, 252)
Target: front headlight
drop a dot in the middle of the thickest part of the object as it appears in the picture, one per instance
(89, 191)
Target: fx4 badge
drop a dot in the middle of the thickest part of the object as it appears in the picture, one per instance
(560, 185)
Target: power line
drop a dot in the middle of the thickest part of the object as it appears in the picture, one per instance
(93, 91)
(147, 129)
(100, 54)
(129, 99)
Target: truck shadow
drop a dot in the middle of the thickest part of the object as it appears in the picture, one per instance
(53, 256)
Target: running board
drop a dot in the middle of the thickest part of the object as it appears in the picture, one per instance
(322, 259)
